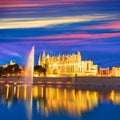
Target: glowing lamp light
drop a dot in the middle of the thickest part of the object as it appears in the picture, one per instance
(55, 65)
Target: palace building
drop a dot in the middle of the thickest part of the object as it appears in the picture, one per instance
(68, 65)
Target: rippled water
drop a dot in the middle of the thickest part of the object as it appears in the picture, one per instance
(57, 103)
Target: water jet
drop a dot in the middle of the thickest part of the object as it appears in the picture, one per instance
(29, 69)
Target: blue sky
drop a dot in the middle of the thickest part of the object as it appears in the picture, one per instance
(65, 26)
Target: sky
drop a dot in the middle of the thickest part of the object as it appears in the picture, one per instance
(60, 27)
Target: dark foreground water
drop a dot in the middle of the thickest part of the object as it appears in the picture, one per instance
(57, 103)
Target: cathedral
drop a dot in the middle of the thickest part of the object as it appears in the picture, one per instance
(68, 65)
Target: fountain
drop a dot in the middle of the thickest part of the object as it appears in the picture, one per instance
(29, 68)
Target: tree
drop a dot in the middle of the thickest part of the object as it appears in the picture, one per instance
(12, 69)
(1, 71)
(16, 69)
(40, 69)
(45, 67)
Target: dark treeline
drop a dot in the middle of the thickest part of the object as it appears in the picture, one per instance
(15, 70)
(41, 69)
(10, 70)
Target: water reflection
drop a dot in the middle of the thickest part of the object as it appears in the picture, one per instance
(49, 100)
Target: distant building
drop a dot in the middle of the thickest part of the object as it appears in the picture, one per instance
(104, 72)
(11, 63)
(89, 69)
(116, 71)
(68, 65)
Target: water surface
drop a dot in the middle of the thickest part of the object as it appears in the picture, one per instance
(57, 103)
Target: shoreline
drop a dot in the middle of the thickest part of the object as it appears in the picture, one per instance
(87, 83)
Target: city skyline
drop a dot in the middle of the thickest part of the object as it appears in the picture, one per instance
(52, 54)
(56, 56)
(89, 26)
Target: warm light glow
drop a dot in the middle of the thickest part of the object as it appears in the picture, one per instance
(36, 75)
(7, 91)
(14, 89)
(49, 99)
(112, 95)
(25, 92)
(35, 91)
(71, 65)
(18, 92)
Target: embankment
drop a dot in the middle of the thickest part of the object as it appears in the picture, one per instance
(90, 83)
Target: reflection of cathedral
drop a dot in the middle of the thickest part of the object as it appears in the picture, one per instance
(47, 100)
(68, 65)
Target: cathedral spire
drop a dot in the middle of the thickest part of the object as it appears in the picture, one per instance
(79, 55)
(42, 59)
(12, 63)
(43, 54)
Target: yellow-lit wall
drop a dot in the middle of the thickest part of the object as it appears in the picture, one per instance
(68, 65)
(115, 71)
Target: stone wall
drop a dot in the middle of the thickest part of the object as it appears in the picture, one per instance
(97, 83)
(77, 82)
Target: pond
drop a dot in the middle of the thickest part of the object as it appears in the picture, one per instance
(39, 102)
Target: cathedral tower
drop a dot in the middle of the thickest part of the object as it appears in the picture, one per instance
(42, 59)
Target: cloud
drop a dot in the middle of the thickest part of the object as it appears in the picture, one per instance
(8, 49)
(7, 23)
(9, 52)
(69, 39)
(34, 3)
(115, 25)
(82, 36)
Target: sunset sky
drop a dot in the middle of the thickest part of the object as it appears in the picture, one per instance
(60, 27)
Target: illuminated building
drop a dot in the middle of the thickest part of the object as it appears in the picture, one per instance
(115, 71)
(104, 71)
(11, 63)
(68, 65)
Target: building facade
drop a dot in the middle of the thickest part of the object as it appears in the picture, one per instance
(116, 71)
(105, 72)
(68, 65)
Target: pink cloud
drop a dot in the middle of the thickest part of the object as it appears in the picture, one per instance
(67, 39)
(42, 1)
(110, 25)
(83, 36)
(28, 3)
